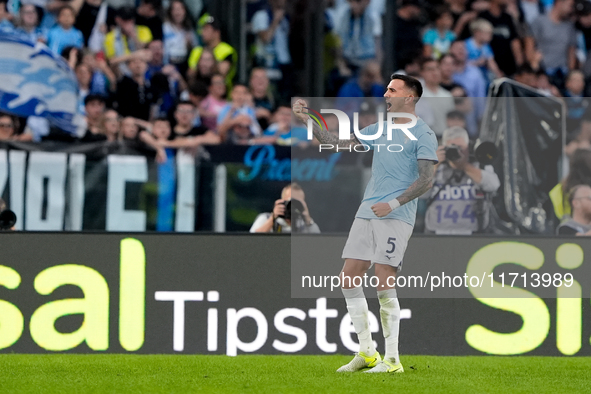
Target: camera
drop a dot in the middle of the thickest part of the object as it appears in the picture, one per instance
(7, 220)
(452, 152)
(293, 208)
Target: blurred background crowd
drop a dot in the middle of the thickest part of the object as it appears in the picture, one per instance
(173, 74)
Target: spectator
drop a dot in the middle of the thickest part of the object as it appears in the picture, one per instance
(439, 100)
(455, 118)
(467, 75)
(583, 138)
(555, 37)
(7, 128)
(438, 39)
(29, 24)
(271, 26)
(197, 93)
(457, 175)
(103, 80)
(237, 120)
(135, 96)
(576, 104)
(276, 222)
(94, 19)
(109, 125)
(129, 130)
(367, 84)
(505, 43)
(184, 134)
(447, 68)
(84, 78)
(65, 34)
(223, 52)
(526, 75)
(283, 131)
(179, 36)
(411, 67)
(5, 18)
(147, 14)
(94, 107)
(264, 101)
(580, 203)
(461, 15)
(126, 38)
(184, 116)
(579, 174)
(157, 60)
(479, 51)
(408, 44)
(544, 85)
(207, 66)
(211, 106)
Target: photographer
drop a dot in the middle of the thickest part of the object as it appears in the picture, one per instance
(460, 200)
(290, 214)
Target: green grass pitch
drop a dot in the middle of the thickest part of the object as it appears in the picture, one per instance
(68, 373)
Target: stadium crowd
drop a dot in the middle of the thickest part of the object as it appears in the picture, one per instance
(159, 74)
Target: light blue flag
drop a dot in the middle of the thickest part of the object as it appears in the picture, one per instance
(36, 82)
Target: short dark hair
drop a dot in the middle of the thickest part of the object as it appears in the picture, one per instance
(126, 13)
(184, 102)
(94, 97)
(455, 114)
(198, 89)
(426, 60)
(161, 119)
(411, 83)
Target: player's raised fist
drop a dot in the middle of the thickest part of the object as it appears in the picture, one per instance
(299, 110)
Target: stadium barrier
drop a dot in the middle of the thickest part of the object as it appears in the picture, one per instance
(232, 294)
(119, 187)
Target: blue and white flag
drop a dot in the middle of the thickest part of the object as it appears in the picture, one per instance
(36, 82)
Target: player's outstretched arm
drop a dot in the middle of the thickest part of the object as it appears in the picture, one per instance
(417, 189)
(322, 135)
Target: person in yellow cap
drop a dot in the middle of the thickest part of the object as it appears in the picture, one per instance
(223, 52)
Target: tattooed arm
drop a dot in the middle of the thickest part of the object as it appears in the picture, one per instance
(324, 136)
(417, 189)
(421, 185)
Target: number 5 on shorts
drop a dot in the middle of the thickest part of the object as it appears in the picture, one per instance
(391, 242)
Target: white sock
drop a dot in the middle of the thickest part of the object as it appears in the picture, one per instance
(390, 317)
(358, 311)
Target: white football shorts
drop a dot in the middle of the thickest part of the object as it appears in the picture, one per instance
(381, 241)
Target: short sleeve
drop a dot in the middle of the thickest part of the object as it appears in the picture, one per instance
(260, 22)
(427, 146)
(487, 51)
(259, 221)
(429, 37)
